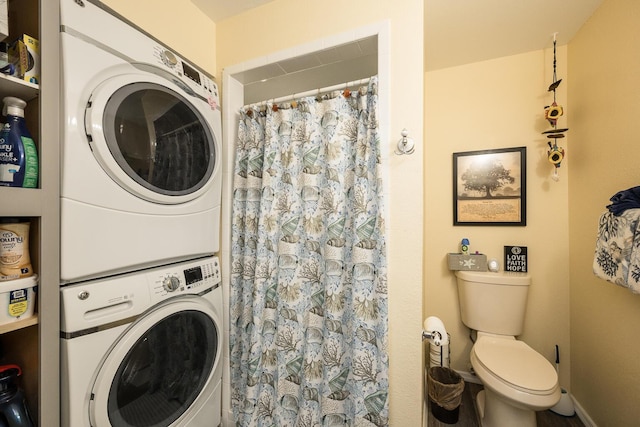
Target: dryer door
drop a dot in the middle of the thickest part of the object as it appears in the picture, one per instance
(160, 371)
(153, 137)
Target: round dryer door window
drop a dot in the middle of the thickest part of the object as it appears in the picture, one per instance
(160, 370)
(152, 137)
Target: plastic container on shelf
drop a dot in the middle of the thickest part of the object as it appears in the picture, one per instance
(15, 261)
(17, 299)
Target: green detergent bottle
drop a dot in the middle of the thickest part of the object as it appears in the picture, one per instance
(18, 154)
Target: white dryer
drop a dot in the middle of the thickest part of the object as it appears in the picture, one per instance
(143, 349)
(141, 154)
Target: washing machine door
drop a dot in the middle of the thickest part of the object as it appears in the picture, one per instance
(153, 136)
(159, 372)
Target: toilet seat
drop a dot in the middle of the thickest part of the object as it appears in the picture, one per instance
(515, 363)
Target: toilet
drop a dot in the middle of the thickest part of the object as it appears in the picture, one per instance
(517, 380)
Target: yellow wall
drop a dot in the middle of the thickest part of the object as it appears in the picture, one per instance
(486, 105)
(178, 24)
(604, 87)
(284, 24)
(491, 104)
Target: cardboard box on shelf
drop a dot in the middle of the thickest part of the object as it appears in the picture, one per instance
(24, 53)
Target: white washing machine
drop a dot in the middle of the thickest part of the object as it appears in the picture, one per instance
(141, 154)
(143, 349)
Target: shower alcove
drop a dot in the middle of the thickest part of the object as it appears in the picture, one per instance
(345, 58)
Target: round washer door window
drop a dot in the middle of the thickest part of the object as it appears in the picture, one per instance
(152, 138)
(160, 368)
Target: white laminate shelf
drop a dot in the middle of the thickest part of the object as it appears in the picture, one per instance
(20, 202)
(11, 86)
(19, 324)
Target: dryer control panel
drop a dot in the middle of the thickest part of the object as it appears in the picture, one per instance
(190, 278)
(103, 28)
(188, 73)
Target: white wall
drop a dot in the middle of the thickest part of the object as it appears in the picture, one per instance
(252, 36)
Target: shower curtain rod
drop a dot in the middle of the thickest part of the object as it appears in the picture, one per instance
(313, 92)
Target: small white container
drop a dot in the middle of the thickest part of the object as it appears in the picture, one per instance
(17, 299)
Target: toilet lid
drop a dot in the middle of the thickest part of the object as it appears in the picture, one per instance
(516, 363)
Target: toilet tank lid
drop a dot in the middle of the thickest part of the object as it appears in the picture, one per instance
(499, 278)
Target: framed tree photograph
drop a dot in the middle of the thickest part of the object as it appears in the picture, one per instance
(489, 187)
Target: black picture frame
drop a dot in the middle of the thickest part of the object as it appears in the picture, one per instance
(490, 187)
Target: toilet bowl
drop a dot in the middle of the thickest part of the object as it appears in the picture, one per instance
(518, 381)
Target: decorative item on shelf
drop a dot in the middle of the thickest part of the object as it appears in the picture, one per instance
(515, 259)
(466, 261)
(552, 112)
(464, 246)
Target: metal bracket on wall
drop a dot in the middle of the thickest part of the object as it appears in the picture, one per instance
(406, 145)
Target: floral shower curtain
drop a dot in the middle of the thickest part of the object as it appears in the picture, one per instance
(308, 314)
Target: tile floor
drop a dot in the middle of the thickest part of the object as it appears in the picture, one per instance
(468, 416)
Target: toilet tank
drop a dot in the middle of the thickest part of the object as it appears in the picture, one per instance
(493, 302)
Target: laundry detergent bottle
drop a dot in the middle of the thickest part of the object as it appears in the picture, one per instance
(18, 154)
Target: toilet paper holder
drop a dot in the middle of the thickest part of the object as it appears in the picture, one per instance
(434, 331)
(434, 336)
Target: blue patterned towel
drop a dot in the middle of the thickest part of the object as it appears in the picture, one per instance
(617, 256)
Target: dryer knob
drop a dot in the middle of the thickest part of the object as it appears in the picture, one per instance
(169, 58)
(171, 283)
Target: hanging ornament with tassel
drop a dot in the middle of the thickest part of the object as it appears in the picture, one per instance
(552, 112)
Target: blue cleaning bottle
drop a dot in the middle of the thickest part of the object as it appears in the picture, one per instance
(18, 154)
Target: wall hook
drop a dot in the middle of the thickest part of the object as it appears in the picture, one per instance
(406, 145)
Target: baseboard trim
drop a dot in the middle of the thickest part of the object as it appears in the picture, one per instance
(227, 418)
(582, 414)
(469, 377)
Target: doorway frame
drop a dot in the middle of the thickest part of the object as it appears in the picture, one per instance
(233, 101)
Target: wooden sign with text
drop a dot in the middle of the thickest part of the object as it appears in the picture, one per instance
(515, 259)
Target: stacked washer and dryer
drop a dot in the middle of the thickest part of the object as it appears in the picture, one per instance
(141, 301)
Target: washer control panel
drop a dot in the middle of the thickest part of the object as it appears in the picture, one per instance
(189, 278)
(87, 305)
